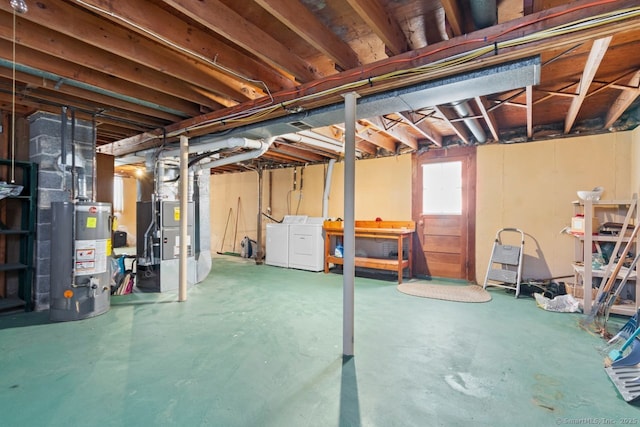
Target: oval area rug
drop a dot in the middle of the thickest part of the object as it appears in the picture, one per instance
(464, 293)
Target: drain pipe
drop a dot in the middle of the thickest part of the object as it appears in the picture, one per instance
(327, 189)
(264, 146)
(466, 114)
(213, 146)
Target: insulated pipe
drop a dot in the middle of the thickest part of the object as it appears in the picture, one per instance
(349, 268)
(184, 216)
(464, 112)
(265, 144)
(327, 189)
(74, 83)
(215, 146)
(484, 13)
(63, 145)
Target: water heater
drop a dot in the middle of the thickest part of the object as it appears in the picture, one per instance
(80, 268)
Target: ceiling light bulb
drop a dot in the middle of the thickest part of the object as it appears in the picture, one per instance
(19, 6)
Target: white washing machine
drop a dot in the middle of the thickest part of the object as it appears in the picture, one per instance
(306, 245)
(277, 245)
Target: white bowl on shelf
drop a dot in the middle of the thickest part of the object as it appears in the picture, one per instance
(591, 195)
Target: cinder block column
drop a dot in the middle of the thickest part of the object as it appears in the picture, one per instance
(55, 182)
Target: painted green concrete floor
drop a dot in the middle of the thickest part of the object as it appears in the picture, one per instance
(261, 346)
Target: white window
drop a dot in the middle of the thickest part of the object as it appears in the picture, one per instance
(118, 194)
(442, 188)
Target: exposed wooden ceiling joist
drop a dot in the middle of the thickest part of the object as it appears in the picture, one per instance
(596, 55)
(383, 24)
(221, 19)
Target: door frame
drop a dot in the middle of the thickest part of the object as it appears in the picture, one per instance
(466, 154)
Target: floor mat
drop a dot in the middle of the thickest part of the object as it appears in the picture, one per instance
(465, 293)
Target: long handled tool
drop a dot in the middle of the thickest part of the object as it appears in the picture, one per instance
(224, 236)
(603, 291)
(612, 298)
(235, 233)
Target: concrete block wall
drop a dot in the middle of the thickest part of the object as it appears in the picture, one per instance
(55, 183)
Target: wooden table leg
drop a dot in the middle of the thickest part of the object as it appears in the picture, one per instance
(399, 259)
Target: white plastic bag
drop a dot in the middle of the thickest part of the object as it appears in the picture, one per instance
(561, 303)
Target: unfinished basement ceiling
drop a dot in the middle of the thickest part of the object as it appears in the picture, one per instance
(149, 70)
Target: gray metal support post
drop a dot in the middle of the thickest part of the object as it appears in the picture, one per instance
(184, 216)
(259, 252)
(349, 269)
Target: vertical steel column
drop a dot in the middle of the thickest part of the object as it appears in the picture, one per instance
(184, 216)
(349, 268)
(259, 253)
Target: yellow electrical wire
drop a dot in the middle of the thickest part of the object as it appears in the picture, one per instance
(596, 21)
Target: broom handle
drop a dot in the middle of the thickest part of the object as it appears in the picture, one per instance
(616, 270)
(623, 230)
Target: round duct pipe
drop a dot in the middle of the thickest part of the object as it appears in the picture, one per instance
(484, 13)
(464, 112)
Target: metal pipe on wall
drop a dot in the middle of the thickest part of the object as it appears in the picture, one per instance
(349, 243)
(184, 216)
(327, 189)
(259, 253)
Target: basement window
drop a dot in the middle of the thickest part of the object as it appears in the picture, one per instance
(442, 188)
(118, 194)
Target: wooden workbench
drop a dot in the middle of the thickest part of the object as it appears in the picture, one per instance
(400, 231)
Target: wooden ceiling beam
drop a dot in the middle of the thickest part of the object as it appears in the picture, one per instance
(223, 20)
(148, 19)
(580, 9)
(382, 23)
(300, 20)
(489, 118)
(117, 40)
(336, 132)
(98, 101)
(390, 128)
(457, 126)
(43, 40)
(422, 126)
(598, 50)
(372, 133)
(93, 78)
(454, 16)
(623, 101)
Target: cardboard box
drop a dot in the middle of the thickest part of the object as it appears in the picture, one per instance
(577, 225)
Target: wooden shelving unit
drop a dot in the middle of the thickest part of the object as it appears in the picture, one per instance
(584, 273)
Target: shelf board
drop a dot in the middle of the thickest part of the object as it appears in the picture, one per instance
(601, 237)
(600, 273)
(12, 266)
(612, 203)
(14, 232)
(620, 309)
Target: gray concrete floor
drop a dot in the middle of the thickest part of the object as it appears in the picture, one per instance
(261, 346)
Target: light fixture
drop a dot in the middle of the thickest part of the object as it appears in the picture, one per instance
(19, 6)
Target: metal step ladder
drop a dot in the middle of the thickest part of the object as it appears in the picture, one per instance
(505, 264)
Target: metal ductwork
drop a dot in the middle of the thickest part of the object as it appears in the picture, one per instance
(484, 13)
(264, 146)
(213, 146)
(466, 114)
